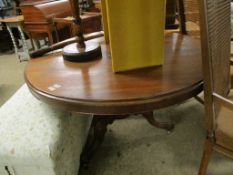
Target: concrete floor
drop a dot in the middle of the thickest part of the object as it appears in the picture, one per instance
(132, 146)
(11, 76)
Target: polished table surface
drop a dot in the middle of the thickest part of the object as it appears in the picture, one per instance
(92, 87)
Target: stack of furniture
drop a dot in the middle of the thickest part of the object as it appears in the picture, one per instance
(52, 19)
(38, 18)
(91, 23)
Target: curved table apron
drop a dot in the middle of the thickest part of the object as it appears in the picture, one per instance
(92, 87)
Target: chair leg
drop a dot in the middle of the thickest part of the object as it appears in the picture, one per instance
(208, 149)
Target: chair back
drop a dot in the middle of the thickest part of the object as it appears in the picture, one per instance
(215, 39)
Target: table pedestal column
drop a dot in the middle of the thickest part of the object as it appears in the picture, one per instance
(99, 127)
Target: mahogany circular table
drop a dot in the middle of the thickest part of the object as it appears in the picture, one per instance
(92, 87)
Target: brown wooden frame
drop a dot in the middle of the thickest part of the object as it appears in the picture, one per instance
(215, 37)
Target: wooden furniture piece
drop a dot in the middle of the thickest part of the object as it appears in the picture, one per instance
(60, 45)
(95, 5)
(91, 23)
(216, 37)
(181, 16)
(171, 14)
(47, 17)
(188, 12)
(38, 17)
(17, 22)
(180, 11)
(92, 87)
(80, 50)
(191, 10)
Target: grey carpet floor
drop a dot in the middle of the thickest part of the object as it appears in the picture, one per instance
(132, 146)
(11, 76)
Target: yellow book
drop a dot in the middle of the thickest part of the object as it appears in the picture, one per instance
(135, 29)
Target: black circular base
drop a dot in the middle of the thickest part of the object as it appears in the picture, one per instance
(73, 53)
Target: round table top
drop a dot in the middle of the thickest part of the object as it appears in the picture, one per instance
(92, 87)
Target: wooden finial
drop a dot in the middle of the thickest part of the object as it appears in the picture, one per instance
(80, 51)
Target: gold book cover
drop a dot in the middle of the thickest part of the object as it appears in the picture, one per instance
(135, 32)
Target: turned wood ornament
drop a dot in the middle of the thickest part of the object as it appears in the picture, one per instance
(80, 51)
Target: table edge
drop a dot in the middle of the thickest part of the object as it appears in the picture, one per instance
(131, 106)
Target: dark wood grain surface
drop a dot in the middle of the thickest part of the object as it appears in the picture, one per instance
(92, 87)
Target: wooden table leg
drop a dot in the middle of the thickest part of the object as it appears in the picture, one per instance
(96, 136)
(182, 18)
(149, 116)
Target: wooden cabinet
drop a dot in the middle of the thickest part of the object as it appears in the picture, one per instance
(92, 22)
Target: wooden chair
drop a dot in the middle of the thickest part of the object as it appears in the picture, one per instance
(215, 34)
(189, 16)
